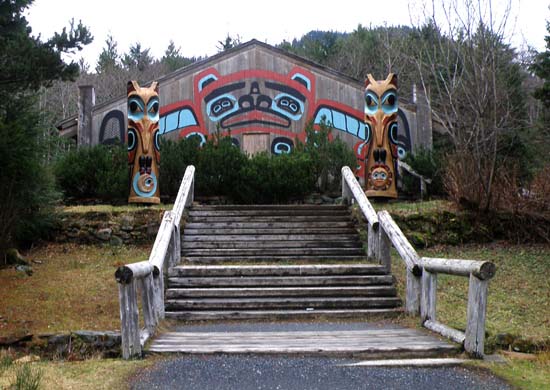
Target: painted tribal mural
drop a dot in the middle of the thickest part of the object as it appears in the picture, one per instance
(143, 143)
(255, 101)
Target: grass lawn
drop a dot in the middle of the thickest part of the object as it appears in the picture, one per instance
(72, 289)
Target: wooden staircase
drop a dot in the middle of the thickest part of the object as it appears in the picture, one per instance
(275, 261)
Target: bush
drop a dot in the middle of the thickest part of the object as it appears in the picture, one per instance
(428, 163)
(175, 157)
(98, 172)
(274, 179)
(327, 157)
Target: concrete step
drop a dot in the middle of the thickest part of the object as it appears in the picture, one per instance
(266, 303)
(269, 244)
(279, 281)
(256, 292)
(278, 270)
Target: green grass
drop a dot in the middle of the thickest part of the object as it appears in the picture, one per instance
(407, 208)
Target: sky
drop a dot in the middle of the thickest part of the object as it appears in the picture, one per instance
(197, 26)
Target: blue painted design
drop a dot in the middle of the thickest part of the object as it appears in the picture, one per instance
(352, 125)
(389, 103)
(136, 109)
(364, 131)
(222, 106)
(186, 118)
(151, 182)
(153, 109)
(339, 120)
(209, 78)
(371, 103)
(323, 112)
(288, 105)
(162, 123)
(171, 122)
(157, 140)
(282, 145)
(302, 80)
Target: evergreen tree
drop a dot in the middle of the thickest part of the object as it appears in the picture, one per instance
(172, 58)
(541, 67)
(137, 58)
(26, 64)
(109, 57)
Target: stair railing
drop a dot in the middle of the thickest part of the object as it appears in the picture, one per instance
(148, 276)
(421, 272)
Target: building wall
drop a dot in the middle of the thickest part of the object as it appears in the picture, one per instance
(256, 91)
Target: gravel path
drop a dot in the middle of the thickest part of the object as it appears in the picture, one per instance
(244, 372)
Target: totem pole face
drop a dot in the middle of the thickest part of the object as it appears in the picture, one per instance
(381, 118)
(143, 143)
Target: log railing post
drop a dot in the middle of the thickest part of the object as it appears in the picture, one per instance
(158, 293)
(346, 192)
(384, 249)
(129, 320)
(413, 291)
(372, 241)
(475, 322)
(150, 318)
(428, 296)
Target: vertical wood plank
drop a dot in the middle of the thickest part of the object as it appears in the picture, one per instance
(147, 302)
(475, 322)
(428, 296)
(412, 304)
(372, 240)
(158, 294)
(129, 320)
(384, 249)
(346, 192)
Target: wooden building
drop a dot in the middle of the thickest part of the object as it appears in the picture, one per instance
(262, 96)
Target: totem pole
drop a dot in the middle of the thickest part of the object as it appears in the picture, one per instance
(381, 125)
(143, 143)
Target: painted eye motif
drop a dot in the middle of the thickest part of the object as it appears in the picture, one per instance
(221, 107)
(153, 110)
(389, 102)
(131, 139)
(371, 103)
(288, 106)
(135, 109)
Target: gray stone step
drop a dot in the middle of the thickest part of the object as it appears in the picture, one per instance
(278, 270)
(301, 291)
(250, 303)
(280, 281)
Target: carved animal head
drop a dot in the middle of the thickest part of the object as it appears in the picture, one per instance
(381, 120)
(143, 141)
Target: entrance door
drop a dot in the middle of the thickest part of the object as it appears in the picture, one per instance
(255, 143)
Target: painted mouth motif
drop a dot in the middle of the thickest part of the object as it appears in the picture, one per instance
(254, 117)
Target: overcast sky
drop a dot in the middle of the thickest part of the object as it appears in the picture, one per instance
(197, 26)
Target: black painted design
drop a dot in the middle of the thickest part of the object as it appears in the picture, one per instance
(112, 127)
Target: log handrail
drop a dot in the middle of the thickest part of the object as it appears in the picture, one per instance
(148, 276)
(421, 272)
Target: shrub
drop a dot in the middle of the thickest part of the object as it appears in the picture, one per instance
(27, 378)
(428, 163)
(328, 157)
(175, 157)
(274, 179)
(99, 172)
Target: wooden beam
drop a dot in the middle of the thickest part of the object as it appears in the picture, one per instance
(359, 195)
(384, 250)
(428, 296)
(483, 270)
(446, 331)
(127, 273)
(475, 323)
(129, 320)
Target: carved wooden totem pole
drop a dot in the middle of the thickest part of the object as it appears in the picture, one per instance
(381, 125)
(143, 143)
